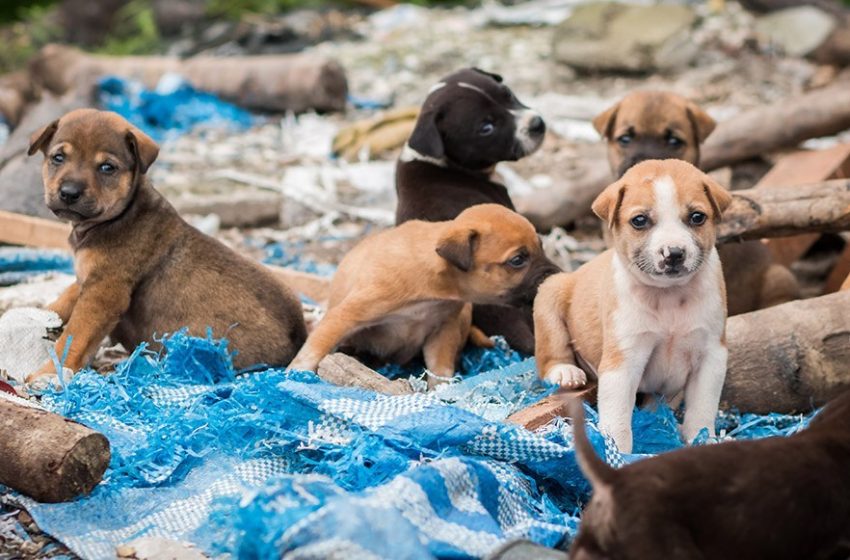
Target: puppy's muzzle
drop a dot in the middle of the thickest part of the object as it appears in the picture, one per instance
(71, 192)
(540, 270)
(673, 259)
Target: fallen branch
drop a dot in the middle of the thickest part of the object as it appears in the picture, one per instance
(346, 371)
(47, 457)
(789, 358)
(547, 409)
(778, 212)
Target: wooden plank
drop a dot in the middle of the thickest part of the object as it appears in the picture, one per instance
(800, 168)
(19, 229)
(547, 409)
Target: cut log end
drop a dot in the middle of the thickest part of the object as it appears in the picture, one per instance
(81, 470)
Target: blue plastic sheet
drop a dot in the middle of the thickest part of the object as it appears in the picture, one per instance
(172, 109)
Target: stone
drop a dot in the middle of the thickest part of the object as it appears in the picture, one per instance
(797, 31)
(613, 37)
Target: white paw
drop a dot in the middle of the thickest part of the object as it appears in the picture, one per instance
(566, 375)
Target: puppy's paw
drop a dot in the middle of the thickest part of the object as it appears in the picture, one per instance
(46, 377)
(302, 362)
(567, 376)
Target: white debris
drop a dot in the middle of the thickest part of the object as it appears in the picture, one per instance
(24, 342)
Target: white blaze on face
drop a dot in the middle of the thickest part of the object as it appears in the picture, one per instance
(669, 230)
(523, 120)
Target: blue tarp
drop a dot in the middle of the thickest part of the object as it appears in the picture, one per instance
(269, 462)
(18, 264)
(172, 109)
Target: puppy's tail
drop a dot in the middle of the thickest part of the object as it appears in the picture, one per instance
(597, 471)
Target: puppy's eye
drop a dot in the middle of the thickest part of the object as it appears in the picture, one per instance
(674, 141)
(486, 129)
(106, 168)
(641, 221)
(624, 139)
(697, 218)
(518, 261)
(58, 158)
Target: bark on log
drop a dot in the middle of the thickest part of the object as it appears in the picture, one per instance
(822, 112)
(293, 82)
(341, 369)
(47, 457)
(755, 132)
(777, 212)
(789, 358)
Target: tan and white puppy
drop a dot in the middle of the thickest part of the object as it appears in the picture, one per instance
(649, 314)
(407, 290)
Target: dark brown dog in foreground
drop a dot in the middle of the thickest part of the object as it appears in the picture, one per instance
(661, 125)
(141, 270)
(407, 290)
(774, 499)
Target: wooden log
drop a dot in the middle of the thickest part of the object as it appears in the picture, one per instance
(789, 358)
(782, 211)
(785, 124)
(284, 82)
(46, 456)
(547, 409)
(803, 168)
(341, 369)
(18, 229)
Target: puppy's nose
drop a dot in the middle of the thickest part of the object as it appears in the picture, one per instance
(674, 256)
(70, 193)
(536, 125)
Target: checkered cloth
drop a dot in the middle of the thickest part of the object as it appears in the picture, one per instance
(270, 463)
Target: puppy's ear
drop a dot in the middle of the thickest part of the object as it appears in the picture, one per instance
(143, 148)
(458, 247)
(425, 137)
(607, 205)
(496, 77)
(717, 195)
(702, 124)
(41, 138)
(604, 122)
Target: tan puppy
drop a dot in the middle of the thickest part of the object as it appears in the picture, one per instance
(649, 314)
(407, 290)
(662, 125)
(141, 270)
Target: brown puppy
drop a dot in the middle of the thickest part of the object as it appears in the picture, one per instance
(407, 290)
(647, 315)
(774, 499)
(661, 125)
(141, 270)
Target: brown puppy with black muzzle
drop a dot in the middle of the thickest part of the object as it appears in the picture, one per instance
(649, 314)
(778, 498)
(408, 290)
(141, 270)
(662, 125)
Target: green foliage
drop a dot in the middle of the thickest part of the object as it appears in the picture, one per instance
(21, 10)
(32, 27)
(135, 31)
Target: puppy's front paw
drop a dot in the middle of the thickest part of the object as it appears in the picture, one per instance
(302, 364)
(435, 380)
(567, 376)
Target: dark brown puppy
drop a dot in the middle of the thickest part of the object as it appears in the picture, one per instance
(661, 125)
(469, 122)
(141, 270)
(773, 499)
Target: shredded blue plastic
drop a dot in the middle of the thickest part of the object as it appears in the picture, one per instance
(257, 465)
(17, 264)
(172, 109)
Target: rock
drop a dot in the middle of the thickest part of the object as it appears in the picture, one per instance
(612, 37)
(797, 31)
